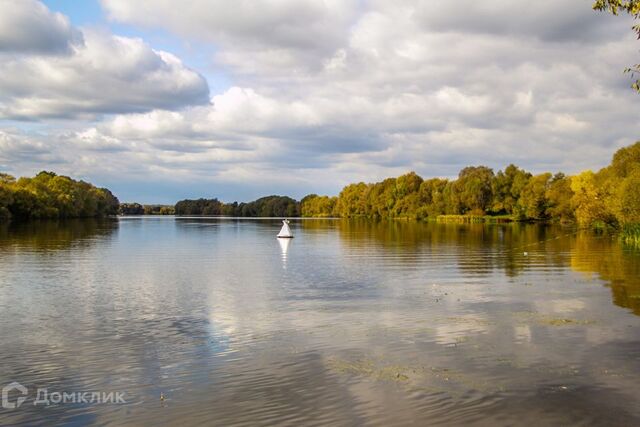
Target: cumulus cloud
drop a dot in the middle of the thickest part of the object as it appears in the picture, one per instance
(325, 93)
(570, 20)
(103, 74)
(253, 35)
(23, 150)
(28, 26)
(286, 23)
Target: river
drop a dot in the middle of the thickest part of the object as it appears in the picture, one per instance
(214, 321)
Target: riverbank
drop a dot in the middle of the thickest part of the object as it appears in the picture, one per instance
(466, 219)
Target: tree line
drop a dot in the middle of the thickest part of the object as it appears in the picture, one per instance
(270, 206)
(48, 195)
(138, 209)
(609, 197)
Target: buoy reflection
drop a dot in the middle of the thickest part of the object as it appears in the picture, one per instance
(284, 247)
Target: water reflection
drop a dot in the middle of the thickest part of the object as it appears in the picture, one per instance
(56, 234)
(617, 264)
(352, 323)
(478, 248)
(284, 247)
(482, 250)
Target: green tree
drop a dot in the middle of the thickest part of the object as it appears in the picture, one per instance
(452, 200)
(474, 189)
(432, 199)
(6, 195)
(533, 201)
(380, 199)
(48, 195)
(507, 187)
(406, 185)
(131, 209)
(617, 185)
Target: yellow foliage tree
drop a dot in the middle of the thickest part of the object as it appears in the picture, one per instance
(587, 200)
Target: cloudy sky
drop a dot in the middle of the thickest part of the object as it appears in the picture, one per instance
(239, 99)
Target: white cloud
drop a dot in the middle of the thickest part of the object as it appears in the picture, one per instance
(28, 26)
(16, 148)
(297, 24)
(103, 74)
(253, 35)
(548, 20)
(324, 93)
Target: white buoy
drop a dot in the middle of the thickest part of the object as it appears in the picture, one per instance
(285, 231)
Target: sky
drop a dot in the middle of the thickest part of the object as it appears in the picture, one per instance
(241, 99)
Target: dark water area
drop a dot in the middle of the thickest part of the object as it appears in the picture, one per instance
(349, 323)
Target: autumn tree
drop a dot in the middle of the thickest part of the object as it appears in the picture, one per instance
(432, 198)
(628, 194)
(474, 189)
(533, 200)
(619, 182)
(48, 195)
(558, 196)
(317, 206)
(589, 201)
(6, 195)
(352, 200)
(406, 195)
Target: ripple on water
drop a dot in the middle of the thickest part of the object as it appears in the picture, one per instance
(350, 324)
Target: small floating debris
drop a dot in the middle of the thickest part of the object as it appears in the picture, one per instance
(285, 231)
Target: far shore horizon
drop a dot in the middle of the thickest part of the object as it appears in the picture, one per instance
(604, 199)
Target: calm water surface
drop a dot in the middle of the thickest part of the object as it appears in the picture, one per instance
(350, 323)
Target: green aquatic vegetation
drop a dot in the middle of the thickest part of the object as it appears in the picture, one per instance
(630, 235)
(465, 219)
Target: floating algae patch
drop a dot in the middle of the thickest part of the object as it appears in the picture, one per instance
(366, 368)
(433, 378)
(546, 320)
(553, 321)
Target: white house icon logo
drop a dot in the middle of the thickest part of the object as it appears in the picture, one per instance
(8, 389)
